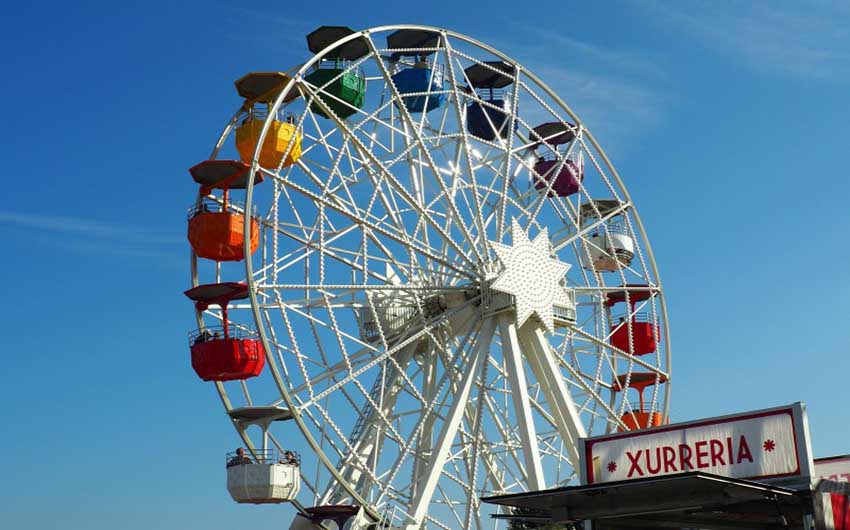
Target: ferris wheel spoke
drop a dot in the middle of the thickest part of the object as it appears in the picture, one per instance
(519, 393)
(455, 102)
(424, 437)
(308, 247)
(626, 355)
(415, 139)
(407, 449)
(537, 350)
(410, 338)
(415, 269)
(512, 118)
(469, 414)
(392, 258)
(493, 469)
(365, 438)
(310, 318)
(424, 251)
(427, 417)
(391, 178)
(497, 415)
(346, 180)
(424, 446)
(419, 506)
(342, 448)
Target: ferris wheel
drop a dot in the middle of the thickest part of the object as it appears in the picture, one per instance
(436, 282)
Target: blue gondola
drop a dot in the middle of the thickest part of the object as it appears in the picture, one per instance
(421, 77)
(489, 118)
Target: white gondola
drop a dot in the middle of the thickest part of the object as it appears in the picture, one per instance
(264, 476)
(263, 482)
(609, 246)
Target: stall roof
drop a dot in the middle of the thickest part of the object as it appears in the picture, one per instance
(688, 500)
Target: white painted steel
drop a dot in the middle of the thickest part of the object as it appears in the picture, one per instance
(373, 294)
(522, 403)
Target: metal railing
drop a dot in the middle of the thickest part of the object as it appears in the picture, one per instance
(392, 517)
(261, 113)
(437, 69)
(209, 333)
(499, 301)
(623, 318)
(564, 313)
(613, 227)
(338, 64)
(210, 205)
(392, 319)
(494, 95)
(553, 156)
(634, 406)
(267, 457)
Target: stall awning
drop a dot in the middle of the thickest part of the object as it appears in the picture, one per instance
(688, 500)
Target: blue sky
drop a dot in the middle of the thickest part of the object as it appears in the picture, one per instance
(727, 120)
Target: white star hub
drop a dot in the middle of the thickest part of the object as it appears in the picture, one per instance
(531, 275)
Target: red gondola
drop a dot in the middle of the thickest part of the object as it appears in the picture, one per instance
(644, 334)
(224, 353)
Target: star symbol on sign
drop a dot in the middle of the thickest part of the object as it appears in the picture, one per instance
(612, 466)
(531, 275)
(769, 445)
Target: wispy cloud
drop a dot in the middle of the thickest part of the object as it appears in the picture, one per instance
(809, 39)
(268, 31)
(85, 227)
(168, 258)
(98, 237)
(617, 93)
(638, 64)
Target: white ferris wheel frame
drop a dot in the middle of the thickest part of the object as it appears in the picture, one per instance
(511, 347)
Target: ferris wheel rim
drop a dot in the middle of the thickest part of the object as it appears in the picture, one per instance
(250, 278)
(299, 72)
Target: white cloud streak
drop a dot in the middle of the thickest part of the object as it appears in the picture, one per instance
(85, 227)
(617, 93)
(809, 39)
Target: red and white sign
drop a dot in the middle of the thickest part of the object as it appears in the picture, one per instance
(768, 444)
(834, 506)
(835, 468)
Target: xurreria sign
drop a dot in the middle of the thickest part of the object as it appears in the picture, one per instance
(768, 445)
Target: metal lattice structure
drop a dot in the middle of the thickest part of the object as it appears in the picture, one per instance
(439, 312)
